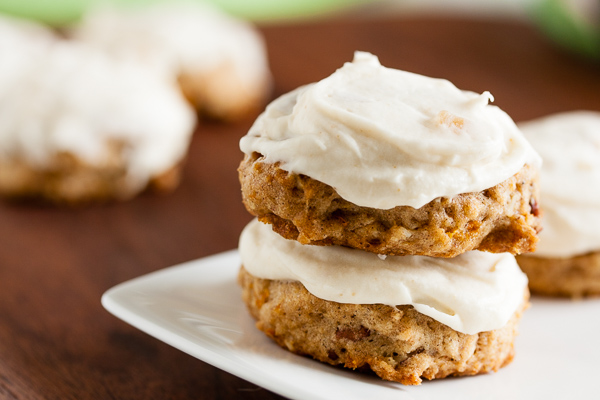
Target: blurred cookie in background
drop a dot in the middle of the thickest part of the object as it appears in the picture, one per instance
(567, 259)
(79, 126)
(220, 61)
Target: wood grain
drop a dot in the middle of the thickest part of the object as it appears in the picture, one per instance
(57, 342)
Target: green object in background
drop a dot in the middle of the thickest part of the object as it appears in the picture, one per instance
(59, 12)
(264, 10)
(573, 24)
(54, 12)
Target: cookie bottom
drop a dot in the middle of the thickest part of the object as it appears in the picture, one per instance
(396, 343)
(575, 277)
(220, 94)
(68, 180)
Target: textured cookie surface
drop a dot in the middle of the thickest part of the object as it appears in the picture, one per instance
(577, 276)
(504, 218)
(397, 343)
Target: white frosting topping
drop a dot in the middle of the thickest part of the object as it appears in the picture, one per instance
(383, 137)
(471, 293)
(569, 144)
(20, 40)
(178, 37)
(64, 97)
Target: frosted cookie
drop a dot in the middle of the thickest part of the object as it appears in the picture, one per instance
(567, 260)
(220, 61)
(77, 126)
(397, 316)
(394, 163)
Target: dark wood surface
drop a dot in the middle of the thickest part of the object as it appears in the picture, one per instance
(56, 340)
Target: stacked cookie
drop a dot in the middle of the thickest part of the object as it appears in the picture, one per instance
(567, 260)
(381, 188)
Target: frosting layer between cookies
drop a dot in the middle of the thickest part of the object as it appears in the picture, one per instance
(383, 137)
(63, 97)
(471, 293)
(569, 144)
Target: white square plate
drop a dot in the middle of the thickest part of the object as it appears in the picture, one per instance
(196, 307)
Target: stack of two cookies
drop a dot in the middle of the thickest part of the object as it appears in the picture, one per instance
(373, 188)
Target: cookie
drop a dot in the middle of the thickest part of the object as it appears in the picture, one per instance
(577, 276)
(68, 179)
(404, 317)
(78, 126)
(397, 343)
(219, 61)
(566, 262)
(394, 163)
(503, 218)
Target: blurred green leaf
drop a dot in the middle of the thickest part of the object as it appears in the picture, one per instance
(569, 27)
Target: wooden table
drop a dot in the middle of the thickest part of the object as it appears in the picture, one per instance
(56, 340)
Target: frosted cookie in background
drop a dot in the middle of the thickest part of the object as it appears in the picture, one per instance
(567, 259)
(393, 163)
(79, 126)
(406, 318)
(219, 61)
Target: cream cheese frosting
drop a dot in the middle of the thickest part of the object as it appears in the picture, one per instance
(383, 137)
(20, 40)
(69, 98)
(176, 37)
(471, 293)
(569, 144)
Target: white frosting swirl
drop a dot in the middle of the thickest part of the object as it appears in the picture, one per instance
(569, 144)
(383, 137)
(64, 97)
(471, 293)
